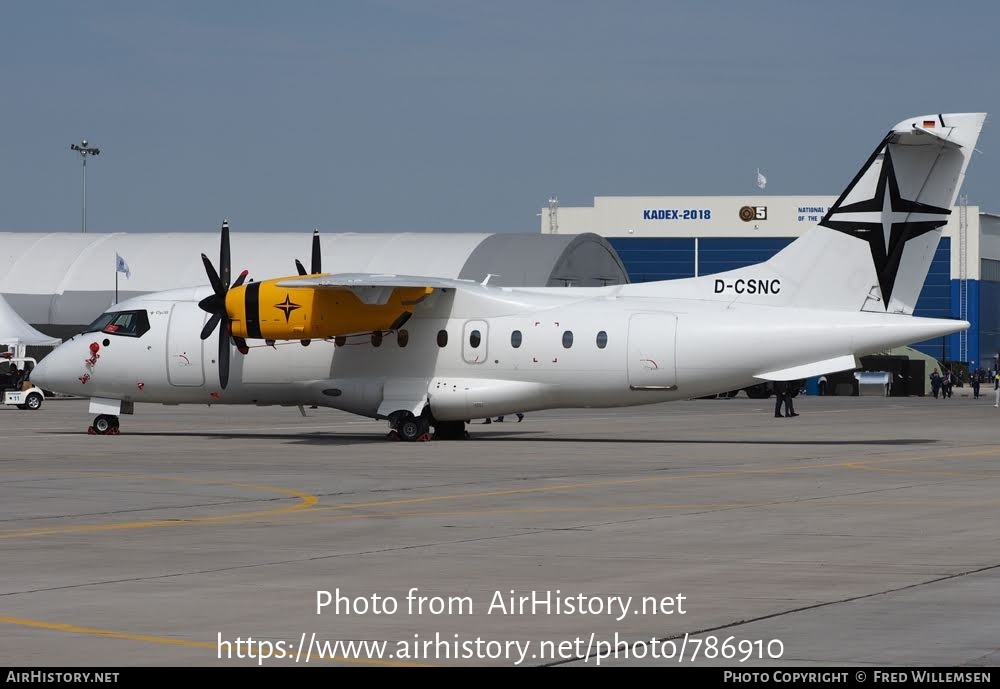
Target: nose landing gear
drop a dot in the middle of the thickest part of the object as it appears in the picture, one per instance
(404, 426)
(105, 424)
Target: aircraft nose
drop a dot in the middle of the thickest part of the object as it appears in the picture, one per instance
(38, 374)
(54, 372)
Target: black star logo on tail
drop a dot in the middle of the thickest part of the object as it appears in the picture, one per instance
(886, 221)
(287, 306)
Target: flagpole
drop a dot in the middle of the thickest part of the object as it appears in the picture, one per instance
(116, 284)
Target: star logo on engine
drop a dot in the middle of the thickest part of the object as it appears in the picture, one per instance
(287, 307)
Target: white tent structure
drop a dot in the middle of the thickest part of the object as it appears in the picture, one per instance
(14, 332)
(61, 281)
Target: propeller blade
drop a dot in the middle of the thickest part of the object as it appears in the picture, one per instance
(223, 357)
(210, 303)
(213, 277)
(241, 345)
(210, 326)
(239, 279)
(299, 267)
(224, 268)
(316, 264)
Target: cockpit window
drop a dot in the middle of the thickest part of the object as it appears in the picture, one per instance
(128, 323)
(101, 321)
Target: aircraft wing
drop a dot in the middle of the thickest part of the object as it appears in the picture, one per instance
(375, 288)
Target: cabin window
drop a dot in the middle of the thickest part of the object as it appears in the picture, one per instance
(442, 338)
(515, 339)
(376, 338)
(602, 340)
(475, 339)
(568, 339)
(402, 337)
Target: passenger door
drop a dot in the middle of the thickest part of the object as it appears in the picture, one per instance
(185, 360)
(652, 351)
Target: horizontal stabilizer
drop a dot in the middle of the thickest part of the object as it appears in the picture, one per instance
(915, 134)
(816, 368)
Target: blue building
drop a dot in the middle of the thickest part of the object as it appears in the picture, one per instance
(669, 237)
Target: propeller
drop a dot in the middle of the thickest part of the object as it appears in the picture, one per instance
(316, 263)
(215, 304)
(316, 266)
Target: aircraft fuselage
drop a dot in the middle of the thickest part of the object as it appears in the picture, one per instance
(478, 353)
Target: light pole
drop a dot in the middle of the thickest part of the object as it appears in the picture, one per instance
(85, 151)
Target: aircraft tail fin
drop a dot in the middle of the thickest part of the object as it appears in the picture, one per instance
(874, 246)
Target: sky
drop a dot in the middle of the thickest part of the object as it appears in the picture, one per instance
(459, 116)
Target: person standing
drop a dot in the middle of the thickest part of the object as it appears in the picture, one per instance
(996, 389)
(783, 396)
(935, 383)
(975, 380)
(790, 389)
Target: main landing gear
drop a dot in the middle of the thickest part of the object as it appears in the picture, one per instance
(409, 428)
(105, 424)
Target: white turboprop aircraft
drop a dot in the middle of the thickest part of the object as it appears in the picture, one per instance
(844, 289)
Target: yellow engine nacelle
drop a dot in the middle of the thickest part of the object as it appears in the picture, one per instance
(262, 310)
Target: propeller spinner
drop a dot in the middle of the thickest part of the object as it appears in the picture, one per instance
(215, 304)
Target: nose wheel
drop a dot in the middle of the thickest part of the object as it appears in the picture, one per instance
(105, 424)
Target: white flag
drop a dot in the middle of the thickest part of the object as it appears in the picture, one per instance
(761, 180)
(121, 266)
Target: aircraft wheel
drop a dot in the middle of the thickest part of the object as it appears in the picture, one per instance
(105, 424)
(411, 428)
